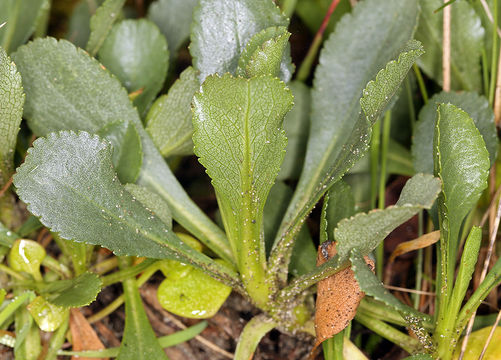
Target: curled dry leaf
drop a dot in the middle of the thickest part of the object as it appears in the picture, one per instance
(338, 297)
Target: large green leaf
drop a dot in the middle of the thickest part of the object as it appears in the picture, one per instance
(79, 23)
(11, 113)
(238, 137)
(222, 28)
(169, 120)
(340, 205)
(312, 185)
(152, 201)
(20, 18)
(296, 126)
(101, 23)
(462, 163)
(136, 52)
(475, 105)
(69, 182)
(365, 231)
(66, 89)
(139, 341)
(467, 35)
(173, 17)
(77, 292)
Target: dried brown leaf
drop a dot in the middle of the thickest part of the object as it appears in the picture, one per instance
(416, 244)
(338, 297)
(83, 335)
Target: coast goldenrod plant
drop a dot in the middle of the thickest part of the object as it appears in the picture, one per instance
(112, 108)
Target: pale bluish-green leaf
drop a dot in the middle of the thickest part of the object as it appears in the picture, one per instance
(296, 126)
(347, 149)
(127, 154)
(373, 287)
(169, 120)
(152, 201)
(467, 35)
(139, 341)
(66, 89)
(475, 105)
(76, 292)
(462, 163)
(365, 231)
(238, 137)
(173, 18)
(264, 52)
(69, 182)
(136, 52)
(191, 293)
(11, 113)
(101, 23)
(222, 28)
(19, 17)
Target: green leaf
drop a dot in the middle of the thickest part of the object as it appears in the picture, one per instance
(320, 171)
(82, 199)
(173, 18)
(304, 254)
(7, 237)
(79, 23)
(264, 52)
(238, 138)
(461, 161)
(28, 345)
(66, 89)
(373, 287)
(139, 341)
(101, 23)
(136, 52)
(11, 113)
(340, 205)
(169, 120)
(365, 231)
(47, 316)
(191, 293)
(27, 256)
(76, 292)
(20, 19)
(466, 44)
(296, 126)
(127, 154)
(151, 201)
(222, 28)
(419, 357)
(252, 334)
(475, 105)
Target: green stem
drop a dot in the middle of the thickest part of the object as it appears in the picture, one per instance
(419, 264)
(388, 332)
(492, 83)
(253, 332)
(382, 187)
(485, 72)
(305, 68)
(410, 101)
(57, 340)
(128, 272)
(12, 273)
(374, 163)
(422, 87)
